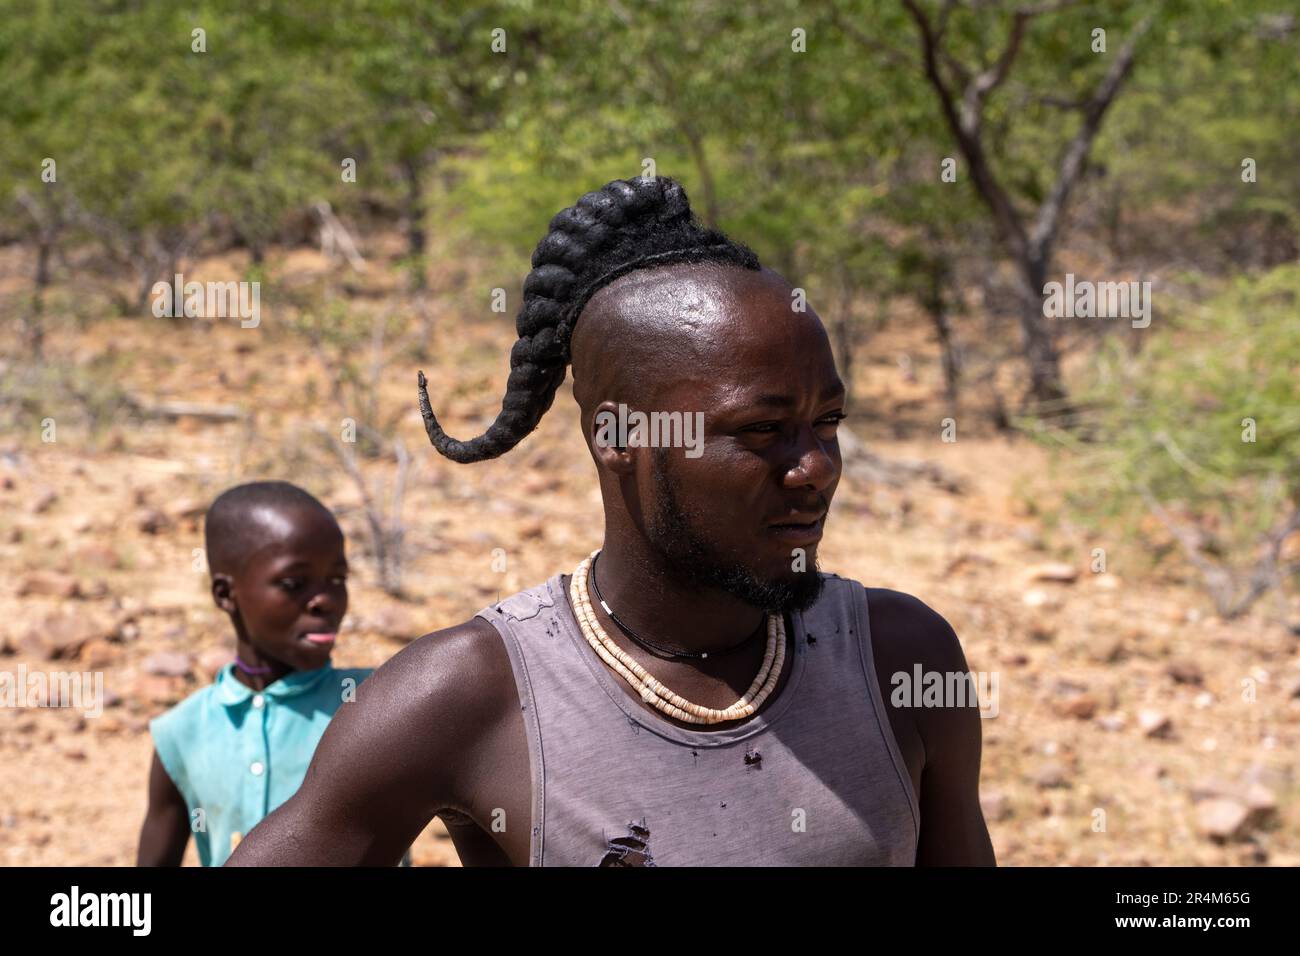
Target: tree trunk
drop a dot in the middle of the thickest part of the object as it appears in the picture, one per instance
(416, 238)
(1045, 384)
(937, 305)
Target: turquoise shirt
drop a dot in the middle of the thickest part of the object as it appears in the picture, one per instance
(236, 754)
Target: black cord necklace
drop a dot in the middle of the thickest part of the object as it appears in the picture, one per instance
(653, 645)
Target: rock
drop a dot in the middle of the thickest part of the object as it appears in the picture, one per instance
(1291, 688)
(188, 509)
(97, 653)
(1112, 722)
(1051, 775)
(1222, 819)
(157, 689)
(1054, 571)
(108, 724)
(1042, 633)
(151, 521)
(212, 660)
(101, 557)
(1261, 803)
(1209, 788)
(1078, 706)
(63, 635)
(168, 664)
(44, 501)
(49, 584)
(1184, 672)
(1106, 649)
(1037, 597)
(1154, 723)
(995, 805)
(396, 623)
(1203, 700)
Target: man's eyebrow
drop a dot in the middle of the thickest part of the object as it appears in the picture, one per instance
(788, 401)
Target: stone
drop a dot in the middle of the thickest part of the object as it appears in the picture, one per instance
(168, 664)
(151, 521)
(157, 689)
(212, 660)
(996, 805)
(1053, 571)
(61, 636)
(44, 501)
(1261, 803)
(1051, 775)
(1112, 722)
(187, 509)
(1155, 723)
(49, 584)
(1106, 648)
(396, 623)
(1184, 672)
(1078, 706)
(101, 557)
(1222, 819)
(97, 653)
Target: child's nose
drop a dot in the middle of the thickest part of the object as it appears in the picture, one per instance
(320, 602)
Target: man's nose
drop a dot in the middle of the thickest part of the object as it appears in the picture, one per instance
(814, 467)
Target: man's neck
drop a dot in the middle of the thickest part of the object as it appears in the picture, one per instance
(641, 589)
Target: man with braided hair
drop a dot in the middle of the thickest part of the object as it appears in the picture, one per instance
(696, 692)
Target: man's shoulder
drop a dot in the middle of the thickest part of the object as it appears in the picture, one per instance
(910, 631)
(463, 668)
(904, 629)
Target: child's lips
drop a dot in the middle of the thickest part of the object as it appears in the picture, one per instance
(323, 638)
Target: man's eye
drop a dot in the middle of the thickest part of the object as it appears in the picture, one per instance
(833, 419)
(767, 428)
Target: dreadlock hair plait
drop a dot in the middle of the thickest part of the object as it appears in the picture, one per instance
(627, 224)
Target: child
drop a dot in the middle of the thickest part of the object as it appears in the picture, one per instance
(229, 754)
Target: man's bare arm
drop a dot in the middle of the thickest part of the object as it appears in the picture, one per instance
(953, 831)
(387, 762)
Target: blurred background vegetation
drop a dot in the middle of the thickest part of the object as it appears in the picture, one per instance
(816, 133)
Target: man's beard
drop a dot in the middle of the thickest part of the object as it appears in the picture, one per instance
(694, 561)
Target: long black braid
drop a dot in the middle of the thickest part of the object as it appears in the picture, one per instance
(625, 225)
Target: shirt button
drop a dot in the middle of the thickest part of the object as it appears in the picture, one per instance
(258, 701)
(256, 768)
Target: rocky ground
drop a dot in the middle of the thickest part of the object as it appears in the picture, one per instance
(1132, 727)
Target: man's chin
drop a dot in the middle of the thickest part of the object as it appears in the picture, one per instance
(782, 595)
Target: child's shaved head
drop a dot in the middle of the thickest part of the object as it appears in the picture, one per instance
(241, 519)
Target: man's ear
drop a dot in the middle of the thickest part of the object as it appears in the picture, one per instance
(606, 439)
(223, 592)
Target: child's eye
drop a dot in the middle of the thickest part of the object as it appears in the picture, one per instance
(290, 584)
(339, 579)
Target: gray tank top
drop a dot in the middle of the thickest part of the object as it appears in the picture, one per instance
(816, 778)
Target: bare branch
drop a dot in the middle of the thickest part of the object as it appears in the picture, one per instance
(890, 53)
(1072, 162)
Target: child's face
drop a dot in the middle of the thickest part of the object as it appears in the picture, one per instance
(291, 593)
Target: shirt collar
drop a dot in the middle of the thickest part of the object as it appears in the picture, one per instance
(231, 692)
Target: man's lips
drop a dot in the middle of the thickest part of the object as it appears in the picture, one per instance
(798, 528)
